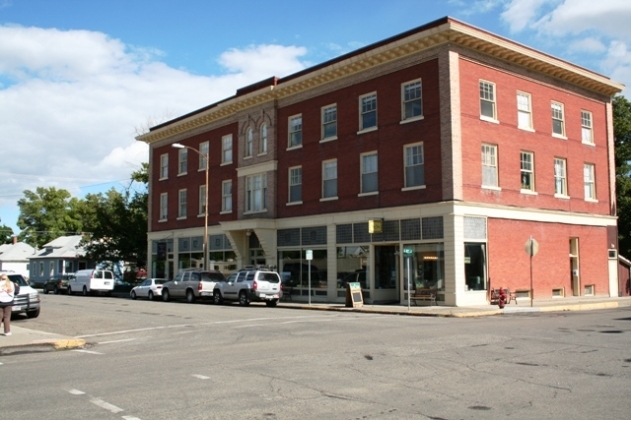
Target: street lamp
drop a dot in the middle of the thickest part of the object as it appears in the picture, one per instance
(205, 156)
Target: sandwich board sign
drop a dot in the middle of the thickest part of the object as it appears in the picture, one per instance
(354, 295)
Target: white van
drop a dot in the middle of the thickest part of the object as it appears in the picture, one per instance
(88, 281)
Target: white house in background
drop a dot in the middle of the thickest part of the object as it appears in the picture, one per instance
(62, 255)
(15, 257)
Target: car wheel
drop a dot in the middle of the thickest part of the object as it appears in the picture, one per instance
(32, 314)
(150, 296)
(190, 297)
(243, 299)
(217, 298)
(85, 291)
(165, 295)
(271, 303)
(45, 291)
(133, 295)
(69, 291)
(56, 291)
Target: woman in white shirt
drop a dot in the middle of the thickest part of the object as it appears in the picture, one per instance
(6, 302)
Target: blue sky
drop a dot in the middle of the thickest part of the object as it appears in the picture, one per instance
(80, 79)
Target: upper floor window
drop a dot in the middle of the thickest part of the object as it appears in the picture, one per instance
(524, 111)
(527, 171)
(487, 100)
(414, 166)
(589, 181)
(368, 111)
(182, 161)
(226, 196)
(558, 122)
(489, 166)
(226, 149)
(329, 179)
(295, 131)
(181, 213)
(412, 105)
(369, 168)
(164, 166)
(295, 184)
(560, 177)
(249, 143)
(263, 140)
(329, 121)
(587, 134)
(202, 200)
(256, 193)
(203, 149)
(164, 202)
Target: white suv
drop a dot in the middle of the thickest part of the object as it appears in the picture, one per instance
(249, 285)
(27, 301)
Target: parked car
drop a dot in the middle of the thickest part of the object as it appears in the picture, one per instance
(250, 284)
(58, 283)
(88, 281)
(191, 284)
(27, 301)
(149, 288)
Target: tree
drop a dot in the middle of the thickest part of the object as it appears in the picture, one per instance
(6, 234)
(622, 139)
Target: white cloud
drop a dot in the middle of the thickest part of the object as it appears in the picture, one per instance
(520, 14)
(587, 45)
(71, 103)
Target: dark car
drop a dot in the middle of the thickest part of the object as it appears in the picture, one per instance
(58, 283)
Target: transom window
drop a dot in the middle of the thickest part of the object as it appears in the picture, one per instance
(329, 121)
(411, 99)
(295, 131)
(558, 122)
(226, 149)
(164, 166)
(487, 100)
(226, 196)
(329, 179)
(183, 161)
(255, 193)
(295, 184)
(527, 171)
(489, 166)
(587, 134)
(589, 181)
(370, 173)
(414, 166)
(368, 111)
(524, 111)
(560, 177)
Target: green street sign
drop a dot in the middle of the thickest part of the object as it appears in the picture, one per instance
(407, 251)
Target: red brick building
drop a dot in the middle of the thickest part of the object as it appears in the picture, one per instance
(428, 159)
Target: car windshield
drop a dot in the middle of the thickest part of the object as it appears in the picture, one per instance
(18, 279)
(269, 277)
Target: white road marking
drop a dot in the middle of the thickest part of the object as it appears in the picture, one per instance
(119, 340)
(76, 392)
(87, 352)
(130, 417)
(201, 377)
(106, 405)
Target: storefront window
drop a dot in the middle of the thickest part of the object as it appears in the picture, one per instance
(353, 266)
(475, 266)
(425, 266)
(294, 268)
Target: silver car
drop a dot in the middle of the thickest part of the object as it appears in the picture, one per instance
(249, 285)
(192, 284)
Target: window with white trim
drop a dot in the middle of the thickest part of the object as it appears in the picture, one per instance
(489, 166)
(249, 143)
(226, 149)
(164, 166)
(202, 200)
(414, 165)
(589, 181)
(256, 193)
(203, 149)
(263, 139)
(367, 111)
(226, 196)
(370, 173)
(329, 179)
(329, 121)
(560, 177)
(411, 100)
(524, 111)
(558, 122)
(181, 208)
(587, 134)
(295, 131)
(182, 161)
(487, 100)
(164, 206)
(295, 184)
(527, 165)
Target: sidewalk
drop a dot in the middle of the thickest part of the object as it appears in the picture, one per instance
(27, 340)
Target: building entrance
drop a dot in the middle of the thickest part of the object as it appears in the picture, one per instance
(387, 276)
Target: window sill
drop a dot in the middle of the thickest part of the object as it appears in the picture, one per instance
(413, 188)
(225, 163)
(526, 129)
(529, 192)
(262, 153)
(163, 178)
(412, 119)
(182, 174)
(588, 143)
(495, 188)
(291, 148)
(180, 218)
(372, 193)
(255, 212)
(245, 158)
(559, 136)
(327, 199)
(561, 196)
(591, 200)
(328, 139)
(489, 119)
(368, 130)
(293, 203)
(225, 212)
(201, 215)
(162, 220)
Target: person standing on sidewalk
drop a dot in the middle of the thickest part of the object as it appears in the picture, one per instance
(7, 290)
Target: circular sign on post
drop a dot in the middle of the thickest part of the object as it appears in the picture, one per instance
(531, 247)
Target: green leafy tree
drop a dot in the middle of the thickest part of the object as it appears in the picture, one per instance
(622, 139)
(6, 234)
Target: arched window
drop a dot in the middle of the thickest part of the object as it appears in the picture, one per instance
(263, 141)
(249, 142)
